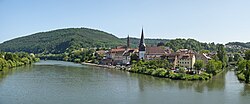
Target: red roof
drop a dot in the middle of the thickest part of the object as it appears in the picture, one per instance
(155, 50)
(117, 50)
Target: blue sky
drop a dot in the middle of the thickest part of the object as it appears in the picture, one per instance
(218, 21)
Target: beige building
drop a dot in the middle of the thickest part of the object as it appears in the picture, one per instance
(182, 58)
(203, 57)
(186, 60)
(155, 52)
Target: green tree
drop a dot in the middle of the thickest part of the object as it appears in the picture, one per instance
(3, 63)
(241, 65)
(222, 55)
(204, 51)
(133, 57)
(247, 55)
(213, 67)
(199, 64)
(236, 57)
(247, 71)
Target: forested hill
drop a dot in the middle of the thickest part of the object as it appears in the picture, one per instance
(57, 41)
(134, 42)
(237, 46)
(195, 45)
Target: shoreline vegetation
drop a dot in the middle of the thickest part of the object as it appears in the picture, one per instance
(155, 67)
(10, 60)
(159, 72)
(243, 68)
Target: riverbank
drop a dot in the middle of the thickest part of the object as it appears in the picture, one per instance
(162, 73)
(97, 65)
(11, 60)
(62, 83)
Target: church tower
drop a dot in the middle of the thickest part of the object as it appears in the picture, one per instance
(142, 47)
(128, 42)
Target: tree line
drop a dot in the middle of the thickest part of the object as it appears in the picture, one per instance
(10, 60)
(243, 68)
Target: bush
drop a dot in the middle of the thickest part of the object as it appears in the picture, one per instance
(241, 77)
(141, 70)
(160, 72)
(134, 70)
(77, 60)
(195, 77)
(149, 71)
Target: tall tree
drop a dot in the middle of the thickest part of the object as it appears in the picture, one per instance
(222, 55)
(236, 57)
(199, 64)
(247, 55)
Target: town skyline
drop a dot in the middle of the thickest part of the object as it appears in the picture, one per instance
(207, 21)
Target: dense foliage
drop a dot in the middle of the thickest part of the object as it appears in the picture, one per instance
(214, 67)
(81, 55)
(243, 70)
(61, 40)
(195, 45)
(237, 46)
(9, 60)
(199, 64)
(161, 68)
(58, 41)
(134, 42)
(222, 55)
(240, 44)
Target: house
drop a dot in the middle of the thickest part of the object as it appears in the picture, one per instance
(186, 60)
(181, 58)
(203, 57)
(154, 52)
(127, 55)
(116, 55)
(119, 55)
(172, 58)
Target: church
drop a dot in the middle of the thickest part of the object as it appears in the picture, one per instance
(151, 52)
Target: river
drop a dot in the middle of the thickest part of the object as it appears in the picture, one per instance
(57, 82)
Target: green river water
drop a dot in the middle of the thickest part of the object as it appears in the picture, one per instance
(57, 82)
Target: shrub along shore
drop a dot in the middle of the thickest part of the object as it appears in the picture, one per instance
(10, 60)
(162, 68)
(163, 73)
(159, 68)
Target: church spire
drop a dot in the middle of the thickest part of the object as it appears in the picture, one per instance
(142, 45)
(128, 42)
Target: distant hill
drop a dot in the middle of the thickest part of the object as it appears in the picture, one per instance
(237, 46)
(195, 45)
(134, 42)
(57, 41)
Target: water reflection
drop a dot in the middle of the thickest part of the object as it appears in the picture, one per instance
(246, 90)
(64, 83)
(144, 81)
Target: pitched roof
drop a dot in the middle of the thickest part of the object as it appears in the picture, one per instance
(155, 50)
(127, 52)
(185, 56)
(117, 50)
